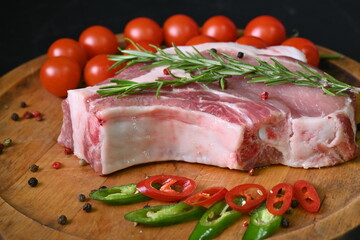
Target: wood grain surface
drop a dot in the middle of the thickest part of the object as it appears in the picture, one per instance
(31, 213)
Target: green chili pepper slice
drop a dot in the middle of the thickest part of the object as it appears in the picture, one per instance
(214, 221)
(163, 215)
(262, 224)
(120, 195)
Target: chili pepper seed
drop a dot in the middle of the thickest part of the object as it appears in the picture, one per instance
(33, 182)
(34, 168)
(62, 220)
(87, 207)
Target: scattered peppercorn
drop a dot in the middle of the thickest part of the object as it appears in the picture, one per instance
(62, 220)
(94, 190)
(7, 142)
(81, 197)
(2, 146)
(146, 206)
(289, 211)
(285, 223)
(213, 50)
(166, 71)
(68, 150)
(37, 115)
(15, 117)
(34, 168)
(252, 172)
(82, 162)
(245, 223)
(56, 165)
(1, 150)
(240, 55)
(28, 115)
(33, 182)
(87, 207)
(102, 187)
(294, 203)
(23, 104)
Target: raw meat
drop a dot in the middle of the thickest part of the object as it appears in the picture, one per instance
(234, 128)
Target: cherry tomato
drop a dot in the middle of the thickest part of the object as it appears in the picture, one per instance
(68, 47)
(98, 40)
(145, 45)
(178, 29)
(307, 47)
(144, 29)
(279, 199)
(199, 40)
(307, 196)
(254, 195)
(97, 69)
(252, 41)
(222, 28)
(173, 187)
(207, 196)
(268, 28)
(59, 74)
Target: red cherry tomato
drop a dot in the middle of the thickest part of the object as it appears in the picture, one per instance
(59, 74)
(268, 28)
(178, 29)
(222, 28)
(254, 195)
(307, 196)
(145, 45)
(207, 196)
(98, 40)
(199, 40)
(307, 47)
(68, 47)
(97, 69)
(279, 198)
(173, 187)
(252, 41)
(144, 29)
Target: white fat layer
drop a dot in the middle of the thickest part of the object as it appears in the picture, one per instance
(141, 138)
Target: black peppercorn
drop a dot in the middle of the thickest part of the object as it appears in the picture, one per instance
(33, 182)
(102, 187)
(62, 220)
(294, 203)
(23, 104)
(146, 206)
(34, 168)
(15, 117)
(240, 55)
(213, 50)
(285, 223)
(81, 197)
(87, 207)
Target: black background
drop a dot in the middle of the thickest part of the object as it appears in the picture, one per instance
(29, 27)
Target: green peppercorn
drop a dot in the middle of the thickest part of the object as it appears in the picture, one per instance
(7, 142)
(62, 220)
(81, 197)
(87, 207)
(33, 182)
(34, 168)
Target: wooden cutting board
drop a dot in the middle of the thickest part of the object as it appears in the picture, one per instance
(31, 213)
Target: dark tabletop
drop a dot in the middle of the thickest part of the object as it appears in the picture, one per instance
(29, 27)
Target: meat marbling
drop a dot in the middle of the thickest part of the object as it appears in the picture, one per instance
(233, 128)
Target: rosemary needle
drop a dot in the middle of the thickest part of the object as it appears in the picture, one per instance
(216, 68)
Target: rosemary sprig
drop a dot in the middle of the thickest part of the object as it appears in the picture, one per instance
(213, 69)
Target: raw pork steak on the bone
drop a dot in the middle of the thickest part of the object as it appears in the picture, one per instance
(235, 128)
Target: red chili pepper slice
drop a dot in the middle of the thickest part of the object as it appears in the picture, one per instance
(173, 187)
(279, 198)
(254, 194)
(307, 196)
(207, 197)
